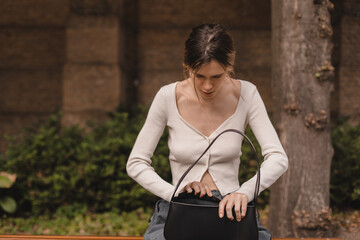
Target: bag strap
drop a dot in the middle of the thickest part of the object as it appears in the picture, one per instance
(257, 185)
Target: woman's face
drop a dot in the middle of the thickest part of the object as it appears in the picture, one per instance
(209, 79)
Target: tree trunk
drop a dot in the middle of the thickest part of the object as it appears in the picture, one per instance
(302, 77)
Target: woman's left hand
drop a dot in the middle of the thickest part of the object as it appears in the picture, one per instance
(238, 201)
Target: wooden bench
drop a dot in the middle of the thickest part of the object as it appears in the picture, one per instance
(53, 237)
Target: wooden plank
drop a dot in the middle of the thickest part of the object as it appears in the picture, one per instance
(55, 237)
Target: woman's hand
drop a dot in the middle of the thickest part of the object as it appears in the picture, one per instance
(238, 201)
(198, 187)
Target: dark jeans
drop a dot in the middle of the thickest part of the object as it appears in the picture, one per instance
(156, 227)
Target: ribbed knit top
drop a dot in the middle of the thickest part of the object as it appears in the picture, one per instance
(186, 144)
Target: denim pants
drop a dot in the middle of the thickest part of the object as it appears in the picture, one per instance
(156, 227)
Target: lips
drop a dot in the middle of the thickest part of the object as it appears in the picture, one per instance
(207, 93)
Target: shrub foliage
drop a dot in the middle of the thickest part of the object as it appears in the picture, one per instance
(62, 166)
(58, 166)
(68, 166)
(345, 169)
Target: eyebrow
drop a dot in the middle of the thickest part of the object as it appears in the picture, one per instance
(217, 75)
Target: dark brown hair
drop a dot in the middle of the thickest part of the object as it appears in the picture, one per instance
(209, 42)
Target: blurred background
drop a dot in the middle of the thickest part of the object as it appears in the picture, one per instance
(91, 58)
(86, 57)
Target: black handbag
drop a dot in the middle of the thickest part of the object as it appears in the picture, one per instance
(195, 218)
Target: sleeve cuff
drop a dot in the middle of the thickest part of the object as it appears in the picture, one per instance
(249, 194)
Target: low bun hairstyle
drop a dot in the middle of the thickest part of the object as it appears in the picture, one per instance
(209, 42)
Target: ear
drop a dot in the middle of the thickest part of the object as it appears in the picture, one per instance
(230, 71)
(187, 71)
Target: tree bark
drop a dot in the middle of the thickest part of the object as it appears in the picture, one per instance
(302, 77)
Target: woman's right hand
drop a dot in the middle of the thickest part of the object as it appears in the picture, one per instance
(197, 187)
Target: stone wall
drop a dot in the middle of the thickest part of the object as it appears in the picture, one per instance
(349, 68)
(32, 45)
(63, 55)
(85, 57)
(164, 26)
(91, 81)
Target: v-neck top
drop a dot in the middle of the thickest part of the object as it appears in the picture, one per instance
(186, 144)
(195, 129)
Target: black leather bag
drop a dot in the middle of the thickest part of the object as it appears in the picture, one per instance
(194, 218)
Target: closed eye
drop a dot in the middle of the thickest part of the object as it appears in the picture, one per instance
(215, 76)
(218, 76)
(199, 76)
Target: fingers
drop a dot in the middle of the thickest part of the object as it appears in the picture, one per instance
(244, 205)
(188, 189)
(229, 207)
(236, 201)
(202, 189)
(198, 187)
(208, 191)
(237, 208)
(222, 206)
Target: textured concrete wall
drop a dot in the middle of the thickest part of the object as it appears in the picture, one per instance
(61, 55)
(165, 24)
(91, 84)
(32, 45)
(86, 56)
(349, 69)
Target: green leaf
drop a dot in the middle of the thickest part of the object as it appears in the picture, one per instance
(8, 204)
(5, 182)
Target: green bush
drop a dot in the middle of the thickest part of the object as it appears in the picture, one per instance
(7, 203)
(58, 166)
(345, 168)
(133, 223)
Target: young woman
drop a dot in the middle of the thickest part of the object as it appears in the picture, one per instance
(195, 110)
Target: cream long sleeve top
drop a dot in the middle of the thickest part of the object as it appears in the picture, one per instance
(186, 144)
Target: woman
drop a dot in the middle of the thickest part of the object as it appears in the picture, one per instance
(195, 110)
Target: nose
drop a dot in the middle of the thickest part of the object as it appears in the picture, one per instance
(207, 85)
